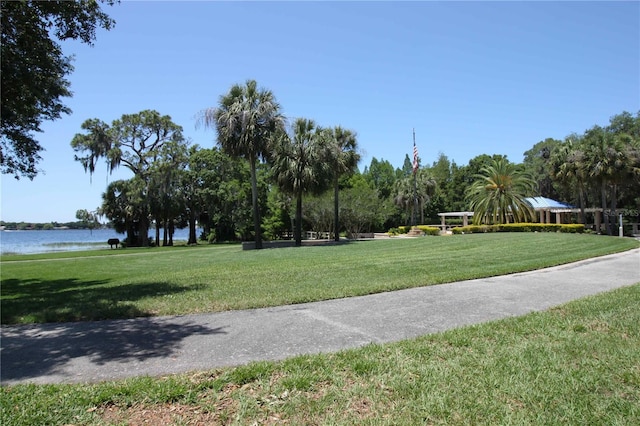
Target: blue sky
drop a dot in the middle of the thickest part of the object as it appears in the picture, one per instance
(471, 77)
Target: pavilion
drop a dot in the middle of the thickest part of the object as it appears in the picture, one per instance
(542, 205)
(545, 206)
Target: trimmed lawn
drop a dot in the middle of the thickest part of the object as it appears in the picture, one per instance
(181, 280)
(575, 364)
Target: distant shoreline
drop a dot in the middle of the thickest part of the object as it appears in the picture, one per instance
(57, 228)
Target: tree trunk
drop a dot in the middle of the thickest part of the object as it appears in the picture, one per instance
(256, 207)
(336, 232)
(131, 234)
(206, 225)
(192, 228)
(157, 231)
(165, 231)
(298, 230)
(614, 206)
(583, 218)
(606, 217)
(172, 228)
(143, 228)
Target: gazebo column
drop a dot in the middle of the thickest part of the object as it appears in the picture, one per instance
(541, 215)
(598, 220)
(558, 217)
(465, 220)
(443, 222)
(548, 216)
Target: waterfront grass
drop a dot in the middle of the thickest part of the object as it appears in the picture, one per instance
(574, 364)
(128, 283)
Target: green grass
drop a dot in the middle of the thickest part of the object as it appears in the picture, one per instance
(575, 364)
(108, 284)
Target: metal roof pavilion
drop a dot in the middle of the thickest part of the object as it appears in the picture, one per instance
(546, 203)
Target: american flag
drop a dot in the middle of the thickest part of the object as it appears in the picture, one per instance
(415, 153)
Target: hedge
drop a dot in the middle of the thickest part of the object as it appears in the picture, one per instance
(428, 230)
(521, 227)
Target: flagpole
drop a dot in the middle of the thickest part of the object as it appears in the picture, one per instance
(415, 183)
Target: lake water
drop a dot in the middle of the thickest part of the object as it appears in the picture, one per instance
(27, 242)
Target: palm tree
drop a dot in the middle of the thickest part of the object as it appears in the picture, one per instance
(412, 188)
(343, 158)
(404, 195)
(246, 120)
(608, 162)
(299, 166)
(499, 192)
(569, 167)
(426, 186)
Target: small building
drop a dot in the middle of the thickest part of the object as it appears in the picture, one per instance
(546, 206)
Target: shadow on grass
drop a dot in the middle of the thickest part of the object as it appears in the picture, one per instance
(33, 351)
(40, 301)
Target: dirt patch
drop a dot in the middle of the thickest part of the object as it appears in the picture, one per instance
(168, 414)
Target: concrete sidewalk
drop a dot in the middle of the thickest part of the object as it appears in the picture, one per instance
(106, 350)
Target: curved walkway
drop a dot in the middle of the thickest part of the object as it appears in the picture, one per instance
(106, 350)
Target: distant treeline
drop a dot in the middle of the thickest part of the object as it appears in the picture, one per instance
(21, 226)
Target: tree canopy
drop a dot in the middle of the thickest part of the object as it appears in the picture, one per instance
(34, 70)
(149, 144)
(601, 168)
(300, 165)
(498, 194)
(343, 158)
(246, 119)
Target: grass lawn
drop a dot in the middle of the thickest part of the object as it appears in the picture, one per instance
(575, 364)
(166, 281)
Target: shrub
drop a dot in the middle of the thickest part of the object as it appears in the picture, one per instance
(472, 229)
(573, 228)
(429, 230)
(393, 231)
(426, 229)
(521, 227)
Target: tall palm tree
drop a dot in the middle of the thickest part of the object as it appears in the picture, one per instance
(499, 193)
(412, 188)
(343, 158)
(569, 168)
(426, 187)
(608, 162)
(246, 120)
(404, 195)
(298, 165)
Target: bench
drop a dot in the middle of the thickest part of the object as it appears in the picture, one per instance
(113, 242)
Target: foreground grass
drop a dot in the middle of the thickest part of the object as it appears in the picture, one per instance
(166, 281)
(574, 364)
